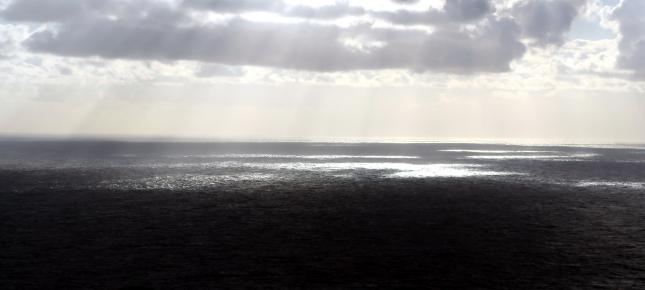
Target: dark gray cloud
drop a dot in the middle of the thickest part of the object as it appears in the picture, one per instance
(236, 6)
(51, 10)
(239, 42)
(454, 11)
(547, 21)
(162, 30)
(631, 18)
(449, 49)
(304, 46)
(467, 10)
(90, 10)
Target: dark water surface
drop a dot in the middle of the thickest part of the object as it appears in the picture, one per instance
(119, 215)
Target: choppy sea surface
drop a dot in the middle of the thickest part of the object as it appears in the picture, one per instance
(172, 215)
(200, 166)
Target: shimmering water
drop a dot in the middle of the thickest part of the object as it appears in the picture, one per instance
(127, 166)
(155, 215)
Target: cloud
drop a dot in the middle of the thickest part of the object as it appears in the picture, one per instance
(454, 11)
(467, 10)
(406, 1)
(216, 70)
(468, 36)
(238, 42)
(303, 46)
(50, 10)
(630, 16)
(9, 42)
(6, 46)
(337, 10)
(235, 6)
(65, 70)
(546, 22)
(332, 11)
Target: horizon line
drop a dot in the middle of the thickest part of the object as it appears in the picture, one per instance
(347, 140)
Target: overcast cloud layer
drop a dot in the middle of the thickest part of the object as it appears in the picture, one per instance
(463, 36)
(303, 69)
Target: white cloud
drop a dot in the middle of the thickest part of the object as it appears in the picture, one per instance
(630, 15)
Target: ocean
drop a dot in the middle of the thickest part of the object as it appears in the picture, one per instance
(156, 215)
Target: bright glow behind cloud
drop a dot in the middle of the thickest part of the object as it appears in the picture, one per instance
(298, 69)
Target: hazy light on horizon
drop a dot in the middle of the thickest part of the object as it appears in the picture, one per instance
(309, 70)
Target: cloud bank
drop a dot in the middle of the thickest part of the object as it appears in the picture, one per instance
(464, 36)
(630, 16)
(546, 22)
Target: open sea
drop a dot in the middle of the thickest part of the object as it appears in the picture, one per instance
(179, 215)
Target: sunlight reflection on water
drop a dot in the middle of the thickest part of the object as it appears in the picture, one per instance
(293, 156)
(187, 181)
(197, 168)
(267, 173)
(553, 157)
(288, 170)
(449, 170)
(631, 185)
(495, 151)
(402, 169)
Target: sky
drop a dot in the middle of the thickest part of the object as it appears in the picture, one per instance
(550, 70)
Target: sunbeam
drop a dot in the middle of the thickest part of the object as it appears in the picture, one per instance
(324, 144)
